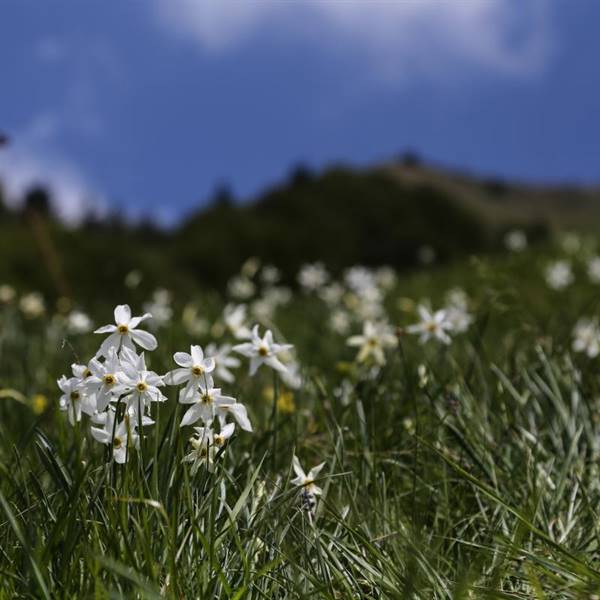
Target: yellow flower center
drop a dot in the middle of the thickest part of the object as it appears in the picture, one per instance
(431, 326)
(74, 396)
(122, 329)
(218, 440)
(141, 386)
(197, 370)
(86, 373)
(372, 342)
(110, 379)
(206, 398)
(117, 442)
(263, 351)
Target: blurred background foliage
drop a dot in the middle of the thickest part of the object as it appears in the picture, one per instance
(401, 214)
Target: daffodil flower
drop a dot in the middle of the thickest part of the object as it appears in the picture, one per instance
(433, 325)
(306, 480)
(204, 404)
(263, 351)
(125, 434)
(373, 342)
(223, 361)
(124, 333)
(104, 379)
(74, 399)
(194, 369)
(206, 444)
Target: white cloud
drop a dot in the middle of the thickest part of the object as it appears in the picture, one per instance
(72, 196)
(396, 38)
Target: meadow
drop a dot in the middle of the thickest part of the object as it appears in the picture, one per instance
(425, 435)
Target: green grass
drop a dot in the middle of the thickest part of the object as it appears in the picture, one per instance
(468, 471)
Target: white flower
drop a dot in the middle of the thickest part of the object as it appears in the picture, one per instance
(457, 312)
(459, 318)
(125, 434)
(104, 379)
(7, 293)
(223, 361)
(331, 294)
(386, 278)
(339, 321)
(206, 444)
(235, 320)
(141, 385)
(74, 399)
(374, 340)
(587, 337)
(432, 325)
(270, 274)
(559, 274)
(160, 308)
(263, 351)
(79, 322)
(237, 410)
(125, 332)
(304, 480)
(194, 368)
(515, 240)
(204, 405)
(240, 287)
(32, 305)
(291, 376)
(313, 276)
(593, 269)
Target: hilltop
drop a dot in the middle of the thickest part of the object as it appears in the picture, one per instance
(382, 215)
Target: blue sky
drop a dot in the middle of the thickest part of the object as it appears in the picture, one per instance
(149, 105)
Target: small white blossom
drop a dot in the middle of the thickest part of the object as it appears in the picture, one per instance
(263, 351)
(515, 240)
(433, 325)
(125, 332)
(204, 405)
(193, 371)
(122, 436)
(74, 400)
(587, 337)
(32, 305)
(206, 444)
(306, 480)
(235, 320)
(375, 339)
(559, 274)
(223, 361)
(78, 322)
(313, 276)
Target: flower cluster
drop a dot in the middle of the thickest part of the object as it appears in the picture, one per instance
(206, 404)
(115, 389)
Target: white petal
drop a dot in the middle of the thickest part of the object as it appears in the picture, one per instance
(247, 349)
(106, 329)
(298, 468)
(112, 341)
(197, 355)
(135, 321)
(144, 339)
(177, 376)
(240, 414)
(192, 415)
(312, 474)
(183, 359)
(122, 314)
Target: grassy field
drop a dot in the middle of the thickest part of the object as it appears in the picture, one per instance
(465, 466)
